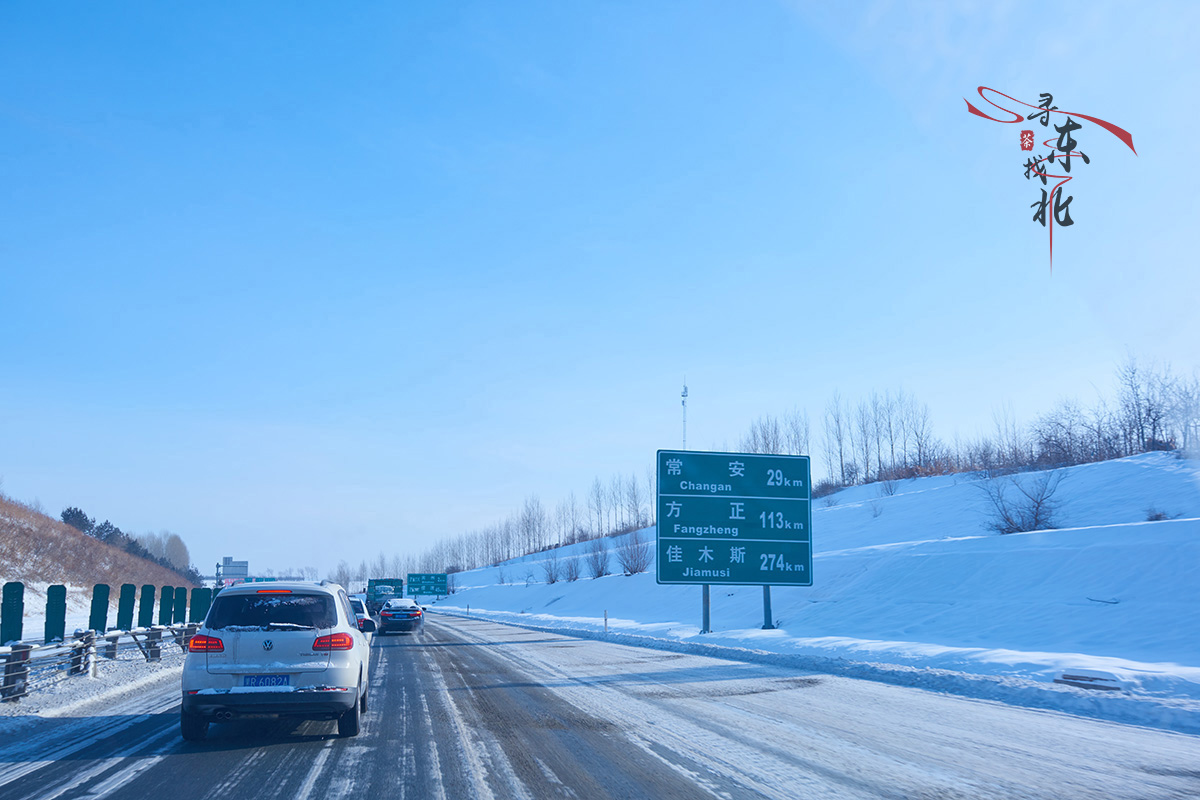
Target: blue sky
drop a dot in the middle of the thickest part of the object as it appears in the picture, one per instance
(302, 282)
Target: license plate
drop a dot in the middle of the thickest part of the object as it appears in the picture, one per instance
(267, 680)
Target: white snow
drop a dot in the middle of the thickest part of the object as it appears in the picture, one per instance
(127, 676)
(922, 590)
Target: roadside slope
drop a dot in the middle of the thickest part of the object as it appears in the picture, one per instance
(915, 579)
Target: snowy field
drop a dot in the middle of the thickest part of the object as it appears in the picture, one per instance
(914, 588)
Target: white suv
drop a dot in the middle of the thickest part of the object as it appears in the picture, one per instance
(277, 649)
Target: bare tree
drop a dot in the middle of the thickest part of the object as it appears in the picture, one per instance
(921, 433)
(635, 555)
(597, 557)
(796, 433)
(877, 432)
(562, 525)
(651, 495)
(574, 518)
(1059, 436)
(596, 506)
(571, 568)
(533, 524)
(176, 552)
(837, 431)
(1010, 440)
(864, 438)
(1023, 505)
(633, 502)
(1185, 413)
(616, 503)
(550, 567)
(341, 574)
(765, 436)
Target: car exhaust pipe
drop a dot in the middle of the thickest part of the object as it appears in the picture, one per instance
(224, 716)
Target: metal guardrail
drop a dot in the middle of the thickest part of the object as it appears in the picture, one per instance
(28, 667)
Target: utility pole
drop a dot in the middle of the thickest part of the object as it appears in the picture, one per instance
(685, 413)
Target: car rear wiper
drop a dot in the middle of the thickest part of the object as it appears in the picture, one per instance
(288, 626)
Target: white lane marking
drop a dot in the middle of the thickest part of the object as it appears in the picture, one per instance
(115, 782)
(227, 787)
(435, 763)
(318, 764)
(468, 746)
(551, 778)
(497, 758)
(347, 771)
(95, 734)
(105, 764)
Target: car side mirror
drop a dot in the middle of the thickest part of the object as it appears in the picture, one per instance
(368, 626)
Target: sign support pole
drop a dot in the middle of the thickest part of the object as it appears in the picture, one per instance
(767, 625)
(705, 624)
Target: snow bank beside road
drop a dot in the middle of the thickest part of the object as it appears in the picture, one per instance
(1176, 714)
(915, 581)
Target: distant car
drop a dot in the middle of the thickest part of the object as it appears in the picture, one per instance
(402, 614)
(291, 650)
(360, 611)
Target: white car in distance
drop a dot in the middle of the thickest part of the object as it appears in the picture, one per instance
(281, 650)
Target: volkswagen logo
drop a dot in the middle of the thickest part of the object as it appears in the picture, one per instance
(268, 644)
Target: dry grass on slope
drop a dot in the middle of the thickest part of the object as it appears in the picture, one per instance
(36, 548)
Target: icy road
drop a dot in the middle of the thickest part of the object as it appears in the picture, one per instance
(479, 710)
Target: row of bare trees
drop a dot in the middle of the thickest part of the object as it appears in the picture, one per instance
(621, 504)
(888, 436)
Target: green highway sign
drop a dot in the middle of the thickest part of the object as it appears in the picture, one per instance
(734, 518)
(420, 583)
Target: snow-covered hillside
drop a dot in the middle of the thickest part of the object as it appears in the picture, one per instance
(917, 579)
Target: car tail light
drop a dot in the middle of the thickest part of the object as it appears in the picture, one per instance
(205, 644)
(334, 641)
(274, 591)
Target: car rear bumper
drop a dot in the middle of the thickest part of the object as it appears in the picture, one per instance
(403, 625)
(312, 704)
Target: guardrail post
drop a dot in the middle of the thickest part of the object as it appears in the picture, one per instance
(154, 644)
(82, 652)
(98, 618)
(125, 606)
(184, 635)
(201, 600)
(12, 612)
(110, 644)
(16, 673)
(55, 628)
(146, 607)
(166, 605)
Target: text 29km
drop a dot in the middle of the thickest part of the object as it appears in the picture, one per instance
(775, 478)
(775, 520)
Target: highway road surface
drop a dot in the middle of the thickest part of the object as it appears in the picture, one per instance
(474, 709)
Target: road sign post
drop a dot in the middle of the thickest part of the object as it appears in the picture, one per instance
(734, 519)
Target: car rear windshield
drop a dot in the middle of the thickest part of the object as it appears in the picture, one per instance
(261, 610)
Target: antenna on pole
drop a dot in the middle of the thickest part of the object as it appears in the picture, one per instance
(684, 395)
